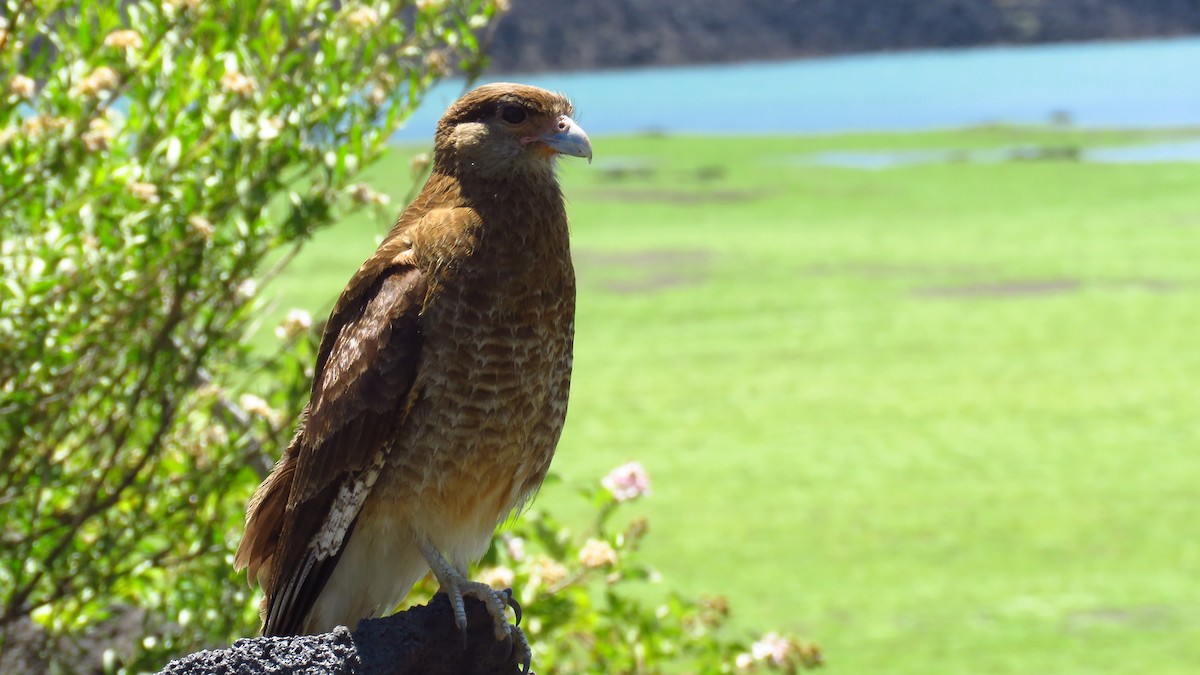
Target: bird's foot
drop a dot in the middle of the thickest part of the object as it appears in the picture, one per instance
(457, 587)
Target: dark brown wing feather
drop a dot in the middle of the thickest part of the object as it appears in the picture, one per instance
(361, 391)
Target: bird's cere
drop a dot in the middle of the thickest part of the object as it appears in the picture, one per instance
(628, 481)
(568, 138)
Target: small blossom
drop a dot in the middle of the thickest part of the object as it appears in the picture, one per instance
(201, 225)
(364, 194)
(772, 646)
(22, 86)
(215, 434)
(425, 5)
(147, 192)
(596, 554)
(247, 289)
(515, 547)
(361, 193)
(67, 267)
(502, 6)
(744, 661)
(6, 135)
(36, 126)
(237, 83)
(550, 572)
(100, 81)
(98, 135)
(363, 18)
(498, 578)
(418, 164)
(269, 128)
(628, 481)
(437, 63)
(123, 39)
(377, 95)
(184, 5)
(297, 322)
(255, 405)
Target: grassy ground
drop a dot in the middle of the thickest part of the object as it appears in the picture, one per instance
(939, 418)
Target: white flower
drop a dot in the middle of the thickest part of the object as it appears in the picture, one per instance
(201, 225)
(67, 267)
(22, 86)
(596, 554)
(771, 646)
(377, 95)
(256, 405)
(123, 39)
(628, 481)
(35, 127)
(147, 192)
(98, 135)
(247, 289)
(744, 661)
(184, 5)
(269, 128)
(515, 546)
(216, 434)
(363, 18)
(437, 63)
(498, 578)
(237, 83)
(549, 572)
(99, 82)
(298, 321)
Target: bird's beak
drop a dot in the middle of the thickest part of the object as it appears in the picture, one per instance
(568, 138)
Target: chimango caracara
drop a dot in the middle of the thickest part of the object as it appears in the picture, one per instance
(441, 384)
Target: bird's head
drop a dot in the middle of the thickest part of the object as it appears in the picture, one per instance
(503, 129)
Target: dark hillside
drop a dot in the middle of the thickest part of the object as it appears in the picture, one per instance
(592, 34)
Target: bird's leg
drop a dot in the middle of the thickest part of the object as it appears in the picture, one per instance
(457, 586)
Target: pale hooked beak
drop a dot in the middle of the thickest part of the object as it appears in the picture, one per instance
(568, 138)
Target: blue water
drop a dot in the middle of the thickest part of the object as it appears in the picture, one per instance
(1145, 153)
(1153, 83)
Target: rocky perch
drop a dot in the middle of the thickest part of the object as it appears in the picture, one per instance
(421, 640)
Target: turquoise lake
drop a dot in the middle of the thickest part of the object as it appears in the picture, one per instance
(1144, 84)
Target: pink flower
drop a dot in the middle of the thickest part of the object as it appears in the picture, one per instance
(772, 646)
(628, 481)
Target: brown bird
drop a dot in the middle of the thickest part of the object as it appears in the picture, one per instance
(441, 384)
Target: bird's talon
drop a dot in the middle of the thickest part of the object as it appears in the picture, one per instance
(512, 602)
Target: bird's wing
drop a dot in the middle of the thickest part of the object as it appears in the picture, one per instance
(362, 392)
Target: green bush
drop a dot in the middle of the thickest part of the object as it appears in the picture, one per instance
(153, 157)
(159, 163)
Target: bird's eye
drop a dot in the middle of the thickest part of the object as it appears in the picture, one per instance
(513, 114)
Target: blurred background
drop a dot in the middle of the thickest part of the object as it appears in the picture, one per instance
(886, 345)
